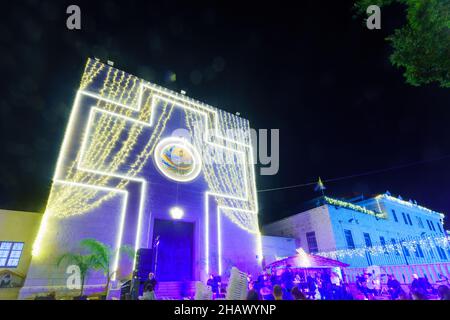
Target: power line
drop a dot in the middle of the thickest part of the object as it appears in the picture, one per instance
(358, 174)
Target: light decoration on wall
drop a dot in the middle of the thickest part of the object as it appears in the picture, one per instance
(105, 163)
(355, 207)
(225, 177)
(408, 204)
(232, 186)
(411, 245)
(93, 157)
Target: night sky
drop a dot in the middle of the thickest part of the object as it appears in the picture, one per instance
(315, 72)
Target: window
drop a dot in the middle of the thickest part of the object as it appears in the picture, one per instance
(404, 218)
(367, 240)
(416, 252)
(383, 244)
(394, 243)
(419, 252)
(419, 222)
(439, 227)
(432, 254)
(10, 253)
(312, 242)
(409, 219)
(405, 250)
(394, 215)
(432, 225)
(349, 239)
(441, 253)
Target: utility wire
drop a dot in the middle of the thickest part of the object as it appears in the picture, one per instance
(358, 174)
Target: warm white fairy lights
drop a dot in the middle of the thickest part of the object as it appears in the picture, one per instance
(44, 224)
(125, 107)
(407, 203)
(349, 205)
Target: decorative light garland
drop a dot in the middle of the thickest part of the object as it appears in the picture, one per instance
(407, 203)
(226, 178)
(426, 243)
(69, 199)
(351, 206)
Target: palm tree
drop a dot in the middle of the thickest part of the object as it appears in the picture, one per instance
(98, 258)
(84, 262)
(102, 257)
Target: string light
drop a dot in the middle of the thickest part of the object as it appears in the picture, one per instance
(414, 245)
(408, 203)
(428, 243)
(349, 205)
(110, 156)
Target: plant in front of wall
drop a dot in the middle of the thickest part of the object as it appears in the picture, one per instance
(102, 257)
(84, 262)
(98, 257)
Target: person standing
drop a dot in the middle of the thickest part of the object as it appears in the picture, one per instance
(370, 285)
(418, 285)
(277, 292)
(213, 284)
(253, 295)
(149, 287)
(443, 292)
(258, 284)
(361, 285)
(327, 287)
(311, 283)
(287, 278)
(273, 277)
(297, 294)
(394, 287)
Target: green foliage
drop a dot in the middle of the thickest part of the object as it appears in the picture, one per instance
(101, 254)
(422, 46)
(98, 258)
(84, 262)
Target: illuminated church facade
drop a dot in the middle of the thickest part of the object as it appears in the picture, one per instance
(140, 163)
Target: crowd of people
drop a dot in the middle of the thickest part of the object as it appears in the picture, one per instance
(292, 285)
(328, 285)
(420, 288)
(320, 285)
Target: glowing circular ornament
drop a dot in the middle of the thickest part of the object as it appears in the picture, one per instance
(177, 159)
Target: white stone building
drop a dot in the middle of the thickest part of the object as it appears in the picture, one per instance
(399, 236)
